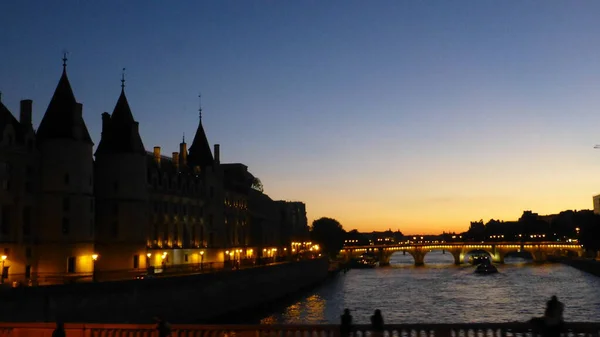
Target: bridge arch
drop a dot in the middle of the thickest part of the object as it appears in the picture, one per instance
(497, 250)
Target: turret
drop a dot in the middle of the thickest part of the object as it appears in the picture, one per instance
(121, 190)
(66, 213)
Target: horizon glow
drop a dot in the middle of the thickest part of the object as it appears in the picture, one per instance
(417, 116)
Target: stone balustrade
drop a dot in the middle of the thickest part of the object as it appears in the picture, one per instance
(391, 330)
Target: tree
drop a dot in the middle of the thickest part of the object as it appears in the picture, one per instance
(330, 235)
(257, 184)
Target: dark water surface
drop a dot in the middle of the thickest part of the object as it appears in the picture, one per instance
(443, 293)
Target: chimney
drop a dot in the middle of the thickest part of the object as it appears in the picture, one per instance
(157, 155)
(105, 121)
(176, 160)
(183, 154)
(217, 154)
(25, 117)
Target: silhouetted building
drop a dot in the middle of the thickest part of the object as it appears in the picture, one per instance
(65, 216)
(596, 200)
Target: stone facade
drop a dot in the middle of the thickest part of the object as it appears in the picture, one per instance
(67, 217)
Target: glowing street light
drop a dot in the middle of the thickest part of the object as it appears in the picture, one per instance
(94, 258)
(3, 258)
(201, 260)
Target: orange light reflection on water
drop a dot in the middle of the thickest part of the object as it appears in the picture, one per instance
(311, 309)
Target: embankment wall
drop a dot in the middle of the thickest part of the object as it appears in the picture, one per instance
(586, 265)
(185, 299)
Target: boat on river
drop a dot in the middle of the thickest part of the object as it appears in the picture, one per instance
(486, 268)
(364, 261)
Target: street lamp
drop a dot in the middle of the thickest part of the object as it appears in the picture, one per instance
(201, 260)
(3, 258)
(94, 258)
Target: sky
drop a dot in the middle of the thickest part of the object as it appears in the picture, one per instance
(413, 115)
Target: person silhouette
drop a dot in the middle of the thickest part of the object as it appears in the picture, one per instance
(162, 327)
(377, 323)
(59, 331)
(553, 317)
(346, 323)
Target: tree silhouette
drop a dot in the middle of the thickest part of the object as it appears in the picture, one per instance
(257, 185)
(329, 233)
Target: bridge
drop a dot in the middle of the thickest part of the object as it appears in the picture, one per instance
(324, 330)
(540, 251)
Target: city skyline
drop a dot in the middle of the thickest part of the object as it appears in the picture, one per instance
(404, 116)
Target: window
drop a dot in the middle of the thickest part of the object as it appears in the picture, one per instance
(65, 225)
(114, 229)
(27, 221)
(27, 271)
(66, 179)
(5, 225)
(28, 252)
(136, 261)
(185, 258)
(66, 204)
(71, 264)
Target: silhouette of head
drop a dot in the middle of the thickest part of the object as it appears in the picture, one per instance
(377, 312)
(346, 311)
(60, 324)
(554, 298)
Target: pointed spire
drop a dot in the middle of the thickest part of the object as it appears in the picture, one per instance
(122, 132)
(200, 153)
(122, 112)
(63, 117)
(183, 138)
(123, 80)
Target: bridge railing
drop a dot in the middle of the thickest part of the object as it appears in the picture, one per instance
(391, 330)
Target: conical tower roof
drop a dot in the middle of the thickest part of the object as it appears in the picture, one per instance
(63, 118)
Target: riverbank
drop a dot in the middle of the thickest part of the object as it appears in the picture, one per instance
(587, 265)
(188, 299)
(255, 314)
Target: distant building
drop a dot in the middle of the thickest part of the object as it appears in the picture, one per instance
(596, 200)
(65, 217)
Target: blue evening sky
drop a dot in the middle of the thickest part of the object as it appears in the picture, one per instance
(417, 115)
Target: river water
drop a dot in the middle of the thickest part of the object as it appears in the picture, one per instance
(443, 293)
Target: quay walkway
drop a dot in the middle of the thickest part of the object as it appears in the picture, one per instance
(391, 330)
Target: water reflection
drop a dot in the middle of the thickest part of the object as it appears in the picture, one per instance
(441, 292)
